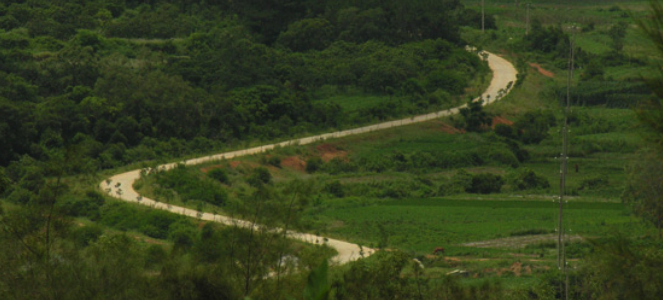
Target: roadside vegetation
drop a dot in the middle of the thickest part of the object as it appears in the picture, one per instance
(93, 88)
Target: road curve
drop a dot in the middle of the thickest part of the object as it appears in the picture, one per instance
(120, 186)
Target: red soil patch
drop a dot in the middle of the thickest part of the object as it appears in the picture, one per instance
(210, 168)
(294, 163)
(235, 164)
(443, 127)
(329, 152)
(541, 70)
(501, 120)
(446, 128)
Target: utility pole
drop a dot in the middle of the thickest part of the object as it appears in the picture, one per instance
(561, 254)
(483, 17)
(527, 21)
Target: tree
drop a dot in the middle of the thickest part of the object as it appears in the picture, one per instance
(474, 117)
(307, 34)
(533, 127)
(486, 183)
(644, 190)
(617, 33)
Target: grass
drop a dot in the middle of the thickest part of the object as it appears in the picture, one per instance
(420, 225)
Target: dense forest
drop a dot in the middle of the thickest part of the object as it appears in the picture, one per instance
(125, 81)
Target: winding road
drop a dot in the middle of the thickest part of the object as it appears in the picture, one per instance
(120, 186)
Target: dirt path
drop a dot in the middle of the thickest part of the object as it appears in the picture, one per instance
(120, 186)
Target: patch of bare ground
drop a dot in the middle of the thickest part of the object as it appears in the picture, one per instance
(328, 152)
(294, 163)
(501, 120)
(541, 70)
(210, 168)
(518, 242)
(444, 127)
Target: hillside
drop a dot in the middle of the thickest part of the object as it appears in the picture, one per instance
(270, 149)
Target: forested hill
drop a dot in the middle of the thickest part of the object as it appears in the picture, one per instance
(117, 81)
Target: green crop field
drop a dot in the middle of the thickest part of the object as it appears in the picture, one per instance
(420, 225)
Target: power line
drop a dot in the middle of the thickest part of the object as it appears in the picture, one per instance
(483, 17)
(561, 253)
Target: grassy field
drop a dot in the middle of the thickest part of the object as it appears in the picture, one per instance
(421, 225)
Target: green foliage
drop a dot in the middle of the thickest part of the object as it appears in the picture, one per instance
(526, 179)
(506, 131)
(622, 268)
(274, 161)
(313, 164)
(317, 284)
(617, 33)
(612, 94)
(486, 183)
(218, 174)
(307, 34)
(88, 206)
(335, 188)
(259, 176)
(86, 235)
(190, 187)
(547, 40)
(378, 278)
(459, 183)
(594, 182)
(474, 118)
(642, 189)
(153, 223)
(533, 127)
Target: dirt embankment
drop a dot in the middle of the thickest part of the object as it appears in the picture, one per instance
(541, 70)
(501, 120)
(328, 152)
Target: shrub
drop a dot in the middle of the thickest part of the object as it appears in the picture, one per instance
(503, 156)
(218, 175)
(594, 182)
(335, 188)
(313, 164)
(459, 183)
(274, 161)
(486, 183)
(259, 177)
(86, 235)
(532, 127)
(525, 179)
(505, 131)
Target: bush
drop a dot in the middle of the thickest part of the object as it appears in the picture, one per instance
(190, 187)
(533, 127)
(86, 235)
(503, 157)
(459, 183)
(594, 182)
(218, 174)
(259, 177)
(525, 179)
(505, 131)
(274, 161)
(313, 164)
(486, 183)
(335, 188)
